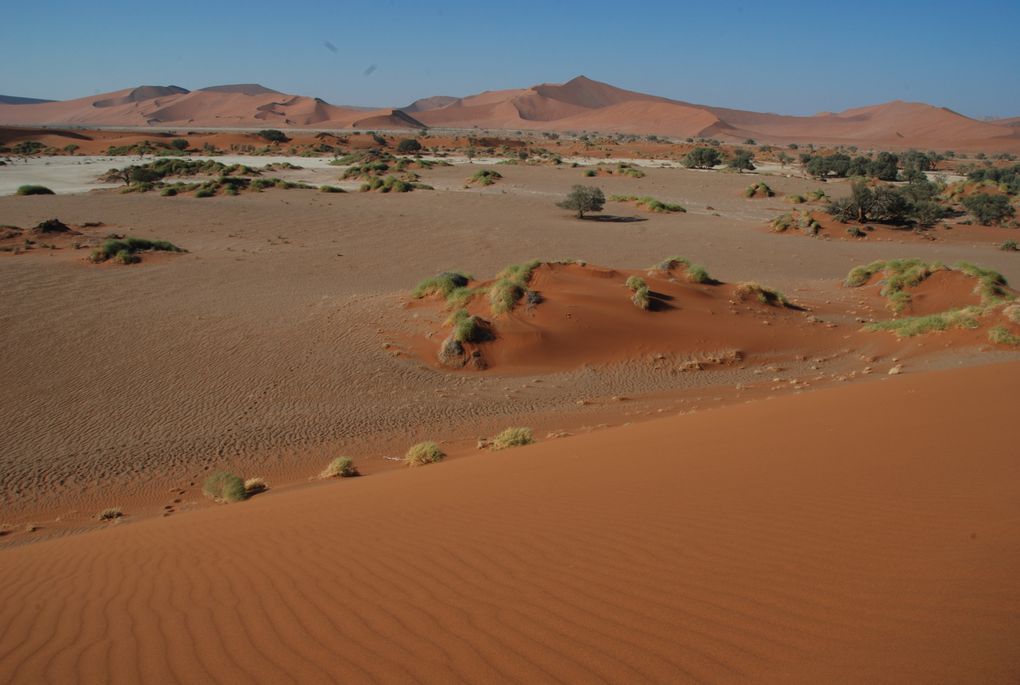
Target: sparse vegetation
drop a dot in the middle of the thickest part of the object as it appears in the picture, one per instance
(424, 453)
(702, 158)
(918, 325)
(510, 286)
(512, 437)
(1009, 246)
(254, 486)
(650, 203)
(989, 209)
(408, 146)
(468, 328)
(224, 487)
(273, 136)
(486, 177)
(341, 467)
(442, 284)
(33, 190)
(641, 296)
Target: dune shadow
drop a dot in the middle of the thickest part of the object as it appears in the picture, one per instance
(613, 219)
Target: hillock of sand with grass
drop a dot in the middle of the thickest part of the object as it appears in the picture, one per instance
(567, 314)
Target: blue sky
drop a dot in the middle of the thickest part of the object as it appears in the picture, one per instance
(787, 57)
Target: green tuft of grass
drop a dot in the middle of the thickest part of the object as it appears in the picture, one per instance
(468, 328)
(991, 286)
(759, 189)
(650, 203)
(341, 467)
(917, 325)
(636, 283)
(486, 177)
(642, 298)
(512, 437)
(330, 189)
(796, 199)
(1000, 335)
(424, 453)
(1009, 246)
(765, 295)
(224, 487)
(510, 286)
(442, 284)
(698, 274)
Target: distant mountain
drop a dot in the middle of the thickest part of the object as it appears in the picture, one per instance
(14, 100)
(580, 104)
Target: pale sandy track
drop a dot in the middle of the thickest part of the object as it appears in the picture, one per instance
(672, 551)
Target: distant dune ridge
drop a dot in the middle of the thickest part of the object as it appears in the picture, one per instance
(580, 104)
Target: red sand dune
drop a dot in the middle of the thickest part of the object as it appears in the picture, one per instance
(676, 550)
(579, 104)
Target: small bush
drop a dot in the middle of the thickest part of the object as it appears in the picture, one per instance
(1009, 246)
(486, 177)
(636, 282)
(468, 328)
(512, 437)
(224, 487)
(796, 199)
(109, 514)
(642, 298)
(408, 146)
(423, 453)
(760, 189)
(205, 192)
(918, 325)
(34, 190)
(330, 189)
(273, 136)
(341, 467)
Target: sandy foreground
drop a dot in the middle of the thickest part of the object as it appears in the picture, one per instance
(860, 536)
(795, 515)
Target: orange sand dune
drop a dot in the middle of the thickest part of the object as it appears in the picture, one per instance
(860, 536)
(580, 104)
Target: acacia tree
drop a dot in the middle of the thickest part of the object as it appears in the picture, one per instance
(583, 199)
(741, 160)
(702, 158)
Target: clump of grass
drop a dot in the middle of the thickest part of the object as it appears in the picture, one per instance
(443, 283)
(224, 487)
(511, 286)
(1000, 335)
(468, 328)
(109, 514)
(642, 298)
(695, 272)
(855, 232)
(917, 325)
(485, 177)
(1009, 246)
(650, 203)
(1012, 312)
(636, 282)
(782, 222)
(670, 263)
(33, 190)
(899, 274)
(205, 192)
(817, 195)
(512, 437)
(698, 274)
(759, 189)
(423, 453)
(763, 294)
(590, 172)
(254, 486)
(124, 250)
(796, 199)
(991, 285)
(341, 467)
(330, 189)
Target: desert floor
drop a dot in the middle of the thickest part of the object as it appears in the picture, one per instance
(800, 516)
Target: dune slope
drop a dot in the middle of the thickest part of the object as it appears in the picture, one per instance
(844, 543)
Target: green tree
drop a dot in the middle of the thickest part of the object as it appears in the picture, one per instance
(179, 144)
(989, 209)
(583, 199)
(702, 158)
(741, 160)
(408, 146)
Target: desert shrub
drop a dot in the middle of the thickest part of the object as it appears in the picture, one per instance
(205, 192)
(782, 223)
(702, 158)
(423, 453)
(817, 195)
(179, 144)
(583, 199)
(126, 257)
(761, 293)
(109, 514)
(504, 295)
(33, 190)
(441, 284)
(512, 437)
(254, 485)
(796, 199)
(1000, 335)
(408, 146)
(122, 248)
(486, 177)
(341, 467)
(855, 232)
(224, 487)
(989, 209)
(650, 203)
(168, 192)
(590, 173)
(1009, 246)
(1012, 312)
(991, 284)
(698, 274)
(330, 189)
(273, 136)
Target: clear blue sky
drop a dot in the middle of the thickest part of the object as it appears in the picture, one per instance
(787, 57)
